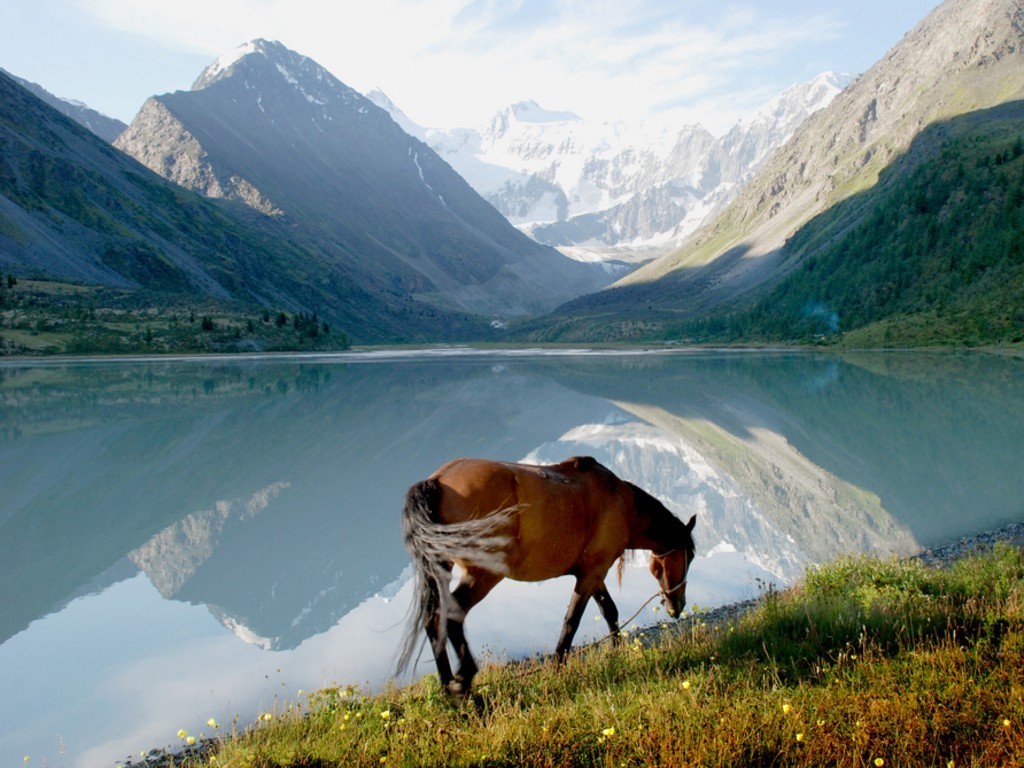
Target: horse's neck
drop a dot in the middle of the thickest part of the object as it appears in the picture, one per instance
(649, 530)
(643, 540)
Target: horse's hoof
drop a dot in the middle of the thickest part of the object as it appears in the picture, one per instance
(457, 692)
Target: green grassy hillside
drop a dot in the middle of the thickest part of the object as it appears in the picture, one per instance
(869, 663)
(75, 210)
(934, 253)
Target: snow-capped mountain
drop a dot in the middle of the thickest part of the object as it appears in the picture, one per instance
(270, 128)
(594, 188)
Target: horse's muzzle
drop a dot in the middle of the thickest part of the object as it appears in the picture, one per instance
(673, 606)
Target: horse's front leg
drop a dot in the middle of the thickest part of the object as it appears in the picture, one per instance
(609, 610)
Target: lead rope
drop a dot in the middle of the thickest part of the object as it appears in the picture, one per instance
(660, 593)
(625, 623)
(610, 635)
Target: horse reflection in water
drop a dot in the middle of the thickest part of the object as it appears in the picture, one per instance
(529, 523)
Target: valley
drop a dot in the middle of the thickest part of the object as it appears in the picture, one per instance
(877, 210)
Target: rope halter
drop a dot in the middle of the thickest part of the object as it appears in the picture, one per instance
(665, 593)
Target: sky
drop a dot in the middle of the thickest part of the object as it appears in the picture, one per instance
(455, 63)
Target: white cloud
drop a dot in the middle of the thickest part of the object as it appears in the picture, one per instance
(454, 62)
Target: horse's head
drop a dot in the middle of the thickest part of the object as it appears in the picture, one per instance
(670, 569)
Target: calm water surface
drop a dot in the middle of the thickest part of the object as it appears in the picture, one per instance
(187, 539)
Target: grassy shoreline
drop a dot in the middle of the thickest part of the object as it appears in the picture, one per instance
(42, 319)
(867, 662)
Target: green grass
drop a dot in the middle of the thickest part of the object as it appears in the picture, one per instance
(866, 663)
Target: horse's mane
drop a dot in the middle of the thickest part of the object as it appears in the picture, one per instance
(662, 524)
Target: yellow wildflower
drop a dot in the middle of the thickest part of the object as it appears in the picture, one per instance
(686, 685)
(879, 762)
(182, 733)
(213, 723)
(190, 740)
(786, 708)
(608, 732)
(799, 737)
(385, 714)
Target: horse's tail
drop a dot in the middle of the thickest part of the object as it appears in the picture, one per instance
(433, 547)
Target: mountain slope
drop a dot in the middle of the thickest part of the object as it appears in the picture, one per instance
(270, 128)
(74, 208)
(966, 56)
(934, 253)
(107, 128)
(614, 190)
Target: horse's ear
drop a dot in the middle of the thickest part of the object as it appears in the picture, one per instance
(693, 522)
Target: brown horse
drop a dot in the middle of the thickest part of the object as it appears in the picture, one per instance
(529, 523)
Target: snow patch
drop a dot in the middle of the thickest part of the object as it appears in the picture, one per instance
(247, 636)
(287, 75)
(227, 60)
(416, 160)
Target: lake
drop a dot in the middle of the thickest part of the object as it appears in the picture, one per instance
(188, 539)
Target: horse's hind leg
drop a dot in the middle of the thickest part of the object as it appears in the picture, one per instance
(438, 643)
(472, 588)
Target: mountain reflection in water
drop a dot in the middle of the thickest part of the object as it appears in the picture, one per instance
(267, 490)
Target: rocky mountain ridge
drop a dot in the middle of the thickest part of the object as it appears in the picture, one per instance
(966, 55)
(74, 209)
(107, 128)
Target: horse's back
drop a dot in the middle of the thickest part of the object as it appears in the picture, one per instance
(560, 510)
(473, 488)
(486, 486)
